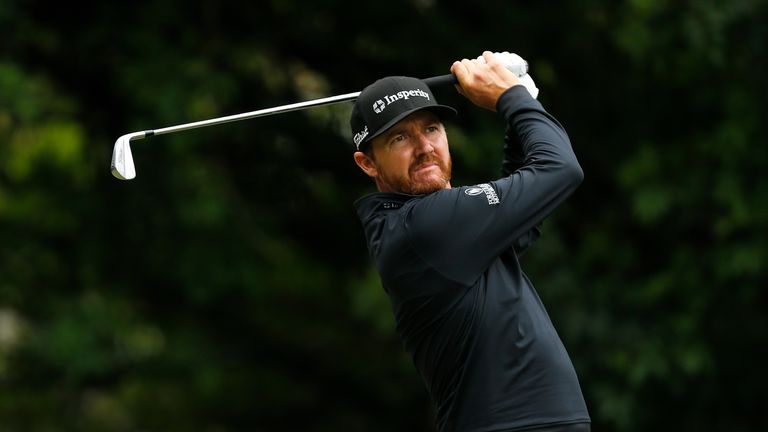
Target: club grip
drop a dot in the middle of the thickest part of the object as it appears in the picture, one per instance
(442, 80)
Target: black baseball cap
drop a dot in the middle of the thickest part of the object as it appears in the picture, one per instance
(387, 101)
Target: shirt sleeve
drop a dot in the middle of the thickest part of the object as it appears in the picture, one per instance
(513, 153)
(460, 231)
(513, 159)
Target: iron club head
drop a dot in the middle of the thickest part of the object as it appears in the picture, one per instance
(122, 160)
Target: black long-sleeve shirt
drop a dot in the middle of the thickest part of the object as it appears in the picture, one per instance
(473, 323)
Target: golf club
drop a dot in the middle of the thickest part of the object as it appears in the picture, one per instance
(122, 160)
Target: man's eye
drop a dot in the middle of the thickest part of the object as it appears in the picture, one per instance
(432, 129)
(398, 138)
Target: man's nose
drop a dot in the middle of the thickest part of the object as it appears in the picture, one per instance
(424, 144)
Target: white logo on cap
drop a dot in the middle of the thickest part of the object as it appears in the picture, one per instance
(379, 105)
(360, 136)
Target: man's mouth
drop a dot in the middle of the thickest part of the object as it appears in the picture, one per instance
(425, 166)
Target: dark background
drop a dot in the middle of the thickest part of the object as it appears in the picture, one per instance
(228, 287)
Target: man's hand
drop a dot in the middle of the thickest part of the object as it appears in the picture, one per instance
(482, 83)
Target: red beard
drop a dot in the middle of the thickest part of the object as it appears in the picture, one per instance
(412, 186)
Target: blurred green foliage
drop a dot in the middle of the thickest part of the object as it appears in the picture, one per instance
(228, 286)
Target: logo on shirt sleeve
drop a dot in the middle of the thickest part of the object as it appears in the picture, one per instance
(485, 188)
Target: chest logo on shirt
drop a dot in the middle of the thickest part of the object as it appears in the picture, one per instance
(388, 205)
(485, 188)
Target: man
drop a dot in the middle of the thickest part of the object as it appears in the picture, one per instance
(448, 257)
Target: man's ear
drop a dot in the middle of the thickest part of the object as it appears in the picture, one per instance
(366, 164)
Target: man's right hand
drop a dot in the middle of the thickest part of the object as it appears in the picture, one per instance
(483, 83)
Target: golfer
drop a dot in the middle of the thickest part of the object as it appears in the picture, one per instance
(448, 257)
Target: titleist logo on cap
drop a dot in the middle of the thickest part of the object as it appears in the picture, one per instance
(360, 136)
(379, 105)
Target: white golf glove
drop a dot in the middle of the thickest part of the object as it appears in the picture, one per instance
(519, 67)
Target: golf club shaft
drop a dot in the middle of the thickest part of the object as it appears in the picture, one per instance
(254, 114)
(434, 81)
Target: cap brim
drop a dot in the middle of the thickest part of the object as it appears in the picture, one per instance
(442, 111)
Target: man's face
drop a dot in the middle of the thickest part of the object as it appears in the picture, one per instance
(410, 157)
